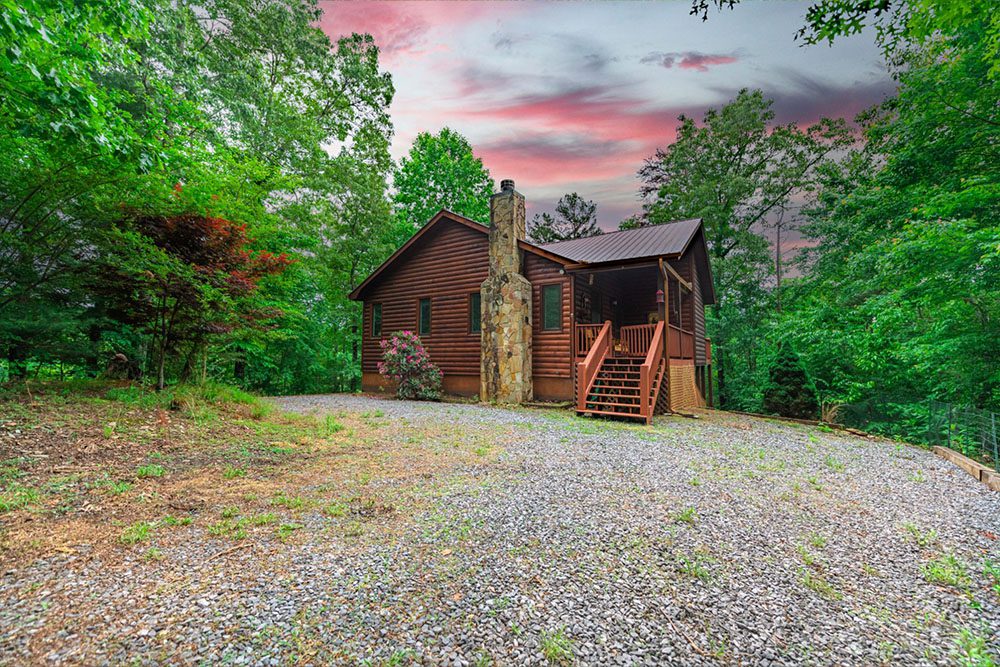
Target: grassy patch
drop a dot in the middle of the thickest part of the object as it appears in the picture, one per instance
(556, 647)
(282, 499)
(137, 532)
(17, 496)
(947, 570)
(234, 473)
(150, 470)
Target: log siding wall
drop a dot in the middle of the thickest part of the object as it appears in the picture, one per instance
(551, 351)
(447, 265)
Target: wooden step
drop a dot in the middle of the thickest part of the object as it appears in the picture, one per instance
(603, 406)
(634, 394)
(606, 413)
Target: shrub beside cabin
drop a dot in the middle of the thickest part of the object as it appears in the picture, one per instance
(614, 322)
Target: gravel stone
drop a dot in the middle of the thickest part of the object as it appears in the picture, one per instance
(719, 540)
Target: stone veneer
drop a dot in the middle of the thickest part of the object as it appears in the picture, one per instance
(505, 372)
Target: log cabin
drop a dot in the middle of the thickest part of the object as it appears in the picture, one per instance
(614, 323)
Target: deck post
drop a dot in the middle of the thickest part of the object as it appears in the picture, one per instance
(664, 284)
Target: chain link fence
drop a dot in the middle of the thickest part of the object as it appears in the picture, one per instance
(969, 431)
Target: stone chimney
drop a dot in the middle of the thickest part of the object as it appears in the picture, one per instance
(505, 371)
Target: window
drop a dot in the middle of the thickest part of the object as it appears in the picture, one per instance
(552, 307)
(376, 320)
(475, 313)
(424, 318)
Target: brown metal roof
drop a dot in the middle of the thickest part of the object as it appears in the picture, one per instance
(664, 240)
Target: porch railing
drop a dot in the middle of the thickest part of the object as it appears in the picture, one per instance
(649, 371)
(681, 343)
(635, 339)
(586, 334)
(586, 370)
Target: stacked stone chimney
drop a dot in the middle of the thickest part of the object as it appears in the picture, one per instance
(505, 375)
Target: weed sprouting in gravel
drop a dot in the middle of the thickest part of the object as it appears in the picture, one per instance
(152, 554)
(972, 649)
(833, 463)
(177, 521)
(991, 570)
(282, 499)
(696, 565)
(687, 515)
(923, 538)
(230, 512)
(285, 530)
(816, 583)
(150, 470)
(112, 487)
(870, 570)
(137, 532)
(808, 557)
(947, 570)
(817, 540)
(335, 509)
(557, 648)
(482, 659)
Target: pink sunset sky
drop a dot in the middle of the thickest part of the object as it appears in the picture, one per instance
(572, 97)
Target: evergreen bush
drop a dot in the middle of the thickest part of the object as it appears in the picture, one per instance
(788, 392)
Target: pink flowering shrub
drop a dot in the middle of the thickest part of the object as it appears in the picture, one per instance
(405, 361)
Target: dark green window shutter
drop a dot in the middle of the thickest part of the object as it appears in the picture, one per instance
(376, 320)
(475, 313)
(552, 307)
(424, 326)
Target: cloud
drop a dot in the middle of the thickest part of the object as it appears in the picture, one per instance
(700, 62)
(803, 99)
(548, 159)
(399, 28)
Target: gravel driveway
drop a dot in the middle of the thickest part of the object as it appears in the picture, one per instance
(724, 540)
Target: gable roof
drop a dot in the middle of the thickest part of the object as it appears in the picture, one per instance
(641, 243)
(446, 215)
(668, 240)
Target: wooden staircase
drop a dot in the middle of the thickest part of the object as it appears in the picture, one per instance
(621, 385)
(617, 388)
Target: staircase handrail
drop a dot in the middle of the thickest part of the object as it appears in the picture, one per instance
(586, 370)
(648, 371)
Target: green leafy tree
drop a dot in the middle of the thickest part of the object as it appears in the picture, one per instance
(183, 279)
(736, 171)
(441, 171)
(107, 106)
(898, 23)
(900, 295)
(575, 218)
